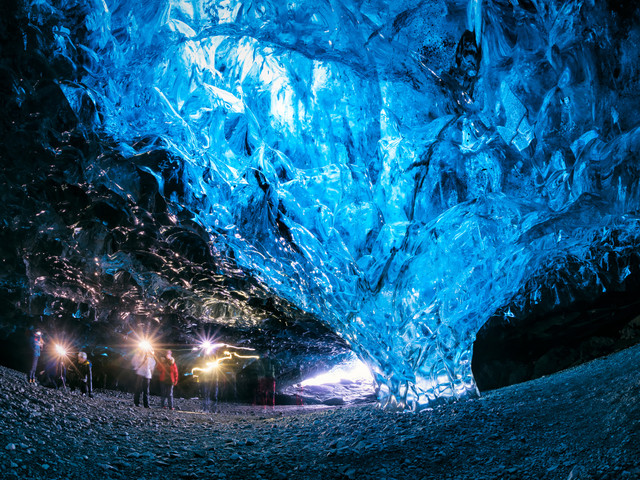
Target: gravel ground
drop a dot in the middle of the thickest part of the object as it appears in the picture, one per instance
(582, 423)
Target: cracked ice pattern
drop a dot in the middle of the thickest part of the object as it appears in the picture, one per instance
(401, 170)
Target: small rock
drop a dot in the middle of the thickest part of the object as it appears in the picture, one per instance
(10, 446)
(578, 473)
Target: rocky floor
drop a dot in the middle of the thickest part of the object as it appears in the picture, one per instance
(582, 423)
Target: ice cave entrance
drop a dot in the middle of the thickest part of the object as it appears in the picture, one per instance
(352, 370)
(346, 383)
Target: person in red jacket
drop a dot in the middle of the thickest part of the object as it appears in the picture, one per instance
(168, 378)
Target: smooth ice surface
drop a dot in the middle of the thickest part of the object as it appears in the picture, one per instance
(401, 170)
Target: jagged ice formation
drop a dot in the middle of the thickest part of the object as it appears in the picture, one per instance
(395, 172)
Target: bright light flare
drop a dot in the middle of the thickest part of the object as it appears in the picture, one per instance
(61, 351)
(145, 345)
(210, 366)
(209, 347)
(206, 346)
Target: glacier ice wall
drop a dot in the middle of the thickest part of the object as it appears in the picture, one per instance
(400, 170)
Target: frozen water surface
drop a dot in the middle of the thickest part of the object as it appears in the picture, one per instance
(401, 170)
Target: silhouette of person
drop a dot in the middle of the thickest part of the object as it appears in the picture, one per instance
(206, 376)
(36, 348)
(85, 377)
(55, 372)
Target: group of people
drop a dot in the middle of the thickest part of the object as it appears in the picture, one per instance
(56, 371)
(144, 362)
(60, 368)
(64, 371)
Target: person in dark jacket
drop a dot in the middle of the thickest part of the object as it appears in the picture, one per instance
(36, 348)
(85, 377)
(206, 373)
(55, 371)
(168, 378)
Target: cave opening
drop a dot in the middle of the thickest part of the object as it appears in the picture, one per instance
(518, 350)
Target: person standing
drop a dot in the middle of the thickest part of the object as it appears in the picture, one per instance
(143, 363)
(207, 373)
(84, 375)
(168, 378)
(61, 371)
(36, 348)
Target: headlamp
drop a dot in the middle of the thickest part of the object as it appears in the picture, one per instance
(206, 346)
(61, 351)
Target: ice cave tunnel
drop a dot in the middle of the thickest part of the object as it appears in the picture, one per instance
(447, 189)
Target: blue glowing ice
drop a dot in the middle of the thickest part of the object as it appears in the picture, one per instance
(402, 170)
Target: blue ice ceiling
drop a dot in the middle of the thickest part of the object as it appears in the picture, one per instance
(401, 170)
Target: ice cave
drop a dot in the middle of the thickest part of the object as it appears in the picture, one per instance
(445, 190)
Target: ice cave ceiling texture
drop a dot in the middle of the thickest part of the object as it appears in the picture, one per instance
(315, 176)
